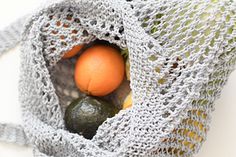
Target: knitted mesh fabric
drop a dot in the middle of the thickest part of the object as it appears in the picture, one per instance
(181, 54)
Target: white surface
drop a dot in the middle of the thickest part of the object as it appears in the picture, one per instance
(221, 138)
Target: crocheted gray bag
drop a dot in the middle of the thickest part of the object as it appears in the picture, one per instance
(181, 54)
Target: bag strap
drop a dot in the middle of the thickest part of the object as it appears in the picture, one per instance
(11, 35)
(13, 134)
(9, 38)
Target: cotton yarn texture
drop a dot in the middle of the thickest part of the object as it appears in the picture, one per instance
(181, 54)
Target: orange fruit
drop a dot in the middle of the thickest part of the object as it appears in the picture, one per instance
(128, 101)
(74, 51)
(99, 70)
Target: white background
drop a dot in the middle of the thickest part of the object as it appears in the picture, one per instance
(221, 138)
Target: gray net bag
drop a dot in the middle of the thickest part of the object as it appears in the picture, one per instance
(181, 54)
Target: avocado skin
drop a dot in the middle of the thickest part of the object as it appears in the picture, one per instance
(85, 115)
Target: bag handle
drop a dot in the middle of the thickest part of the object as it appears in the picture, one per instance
(9, 38)
(11, 35)
(12, 133)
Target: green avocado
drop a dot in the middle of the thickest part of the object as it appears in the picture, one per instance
(85, 115)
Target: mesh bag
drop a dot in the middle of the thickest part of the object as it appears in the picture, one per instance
(181, 54)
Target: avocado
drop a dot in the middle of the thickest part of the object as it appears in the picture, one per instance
(85, 115)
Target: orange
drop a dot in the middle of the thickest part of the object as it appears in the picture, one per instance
(99, 70)
(128, 101)
(74, 51)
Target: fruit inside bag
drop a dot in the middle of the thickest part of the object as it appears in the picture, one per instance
(98, 85)
(180, 55)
